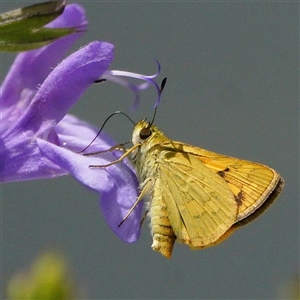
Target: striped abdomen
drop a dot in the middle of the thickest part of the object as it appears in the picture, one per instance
(162, 232)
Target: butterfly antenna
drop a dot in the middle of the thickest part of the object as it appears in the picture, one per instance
(162, 86)
(114, 113)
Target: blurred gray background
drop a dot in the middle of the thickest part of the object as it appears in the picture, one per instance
(233, 83)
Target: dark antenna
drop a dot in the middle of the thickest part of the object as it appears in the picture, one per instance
(162, 86)
(163, 83)
(114, 113)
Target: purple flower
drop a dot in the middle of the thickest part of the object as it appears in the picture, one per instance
(40, 140)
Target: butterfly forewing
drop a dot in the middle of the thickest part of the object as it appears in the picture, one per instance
(201, 207)
(251, 183)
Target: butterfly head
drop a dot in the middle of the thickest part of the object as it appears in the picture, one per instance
(141, 132)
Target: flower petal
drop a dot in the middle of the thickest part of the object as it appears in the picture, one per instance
(32, 67)
(21, 159)
(63, 87)
(117, 186)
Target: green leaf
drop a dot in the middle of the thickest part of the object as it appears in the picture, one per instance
(22, 29)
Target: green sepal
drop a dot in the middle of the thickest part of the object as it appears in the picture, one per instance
(22, 29)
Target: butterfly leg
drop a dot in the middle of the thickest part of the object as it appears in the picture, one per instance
(144, 191)
(117, 160)
(116, 147)
(144, 217)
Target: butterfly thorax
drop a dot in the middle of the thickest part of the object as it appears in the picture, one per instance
(145, 156)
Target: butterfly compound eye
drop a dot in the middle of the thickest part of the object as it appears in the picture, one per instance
(145, 133)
